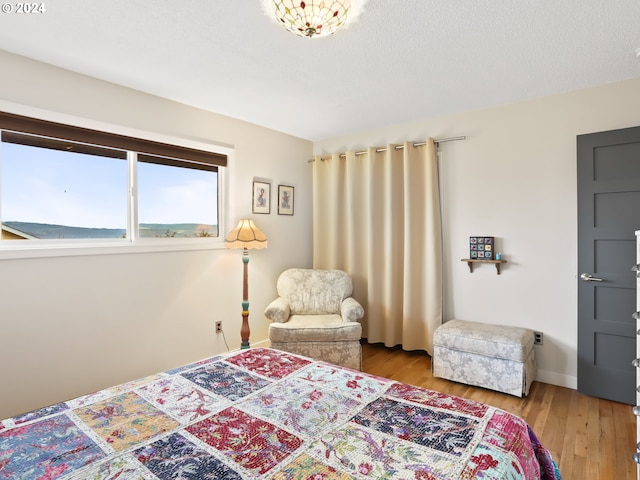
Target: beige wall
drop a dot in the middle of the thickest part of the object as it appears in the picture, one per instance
(75, 324)
(515, 178)
(71, 325)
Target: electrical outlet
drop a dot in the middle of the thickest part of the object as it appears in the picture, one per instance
(537, 338)
(219, 326)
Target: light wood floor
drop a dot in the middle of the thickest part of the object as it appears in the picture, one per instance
(589, 438)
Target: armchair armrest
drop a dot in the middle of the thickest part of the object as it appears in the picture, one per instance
(351, 310)
(278, 311)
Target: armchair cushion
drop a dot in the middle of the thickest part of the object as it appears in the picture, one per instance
(319, 328)
(314, 292)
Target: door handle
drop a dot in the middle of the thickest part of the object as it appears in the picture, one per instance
(587, 277)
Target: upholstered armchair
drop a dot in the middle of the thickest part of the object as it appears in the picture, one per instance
(316, 316)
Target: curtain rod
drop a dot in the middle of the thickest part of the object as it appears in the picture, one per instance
(400, 147)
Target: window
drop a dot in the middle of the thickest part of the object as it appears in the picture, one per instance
(68, 185)
(61, 190)
(176, 200)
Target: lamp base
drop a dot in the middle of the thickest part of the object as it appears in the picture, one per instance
(244, 330)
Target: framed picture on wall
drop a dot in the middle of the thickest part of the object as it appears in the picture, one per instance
(261, 199)
(285, 200)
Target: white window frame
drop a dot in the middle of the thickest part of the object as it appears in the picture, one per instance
(11, 249)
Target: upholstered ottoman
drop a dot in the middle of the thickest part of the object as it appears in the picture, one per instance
(497, 357)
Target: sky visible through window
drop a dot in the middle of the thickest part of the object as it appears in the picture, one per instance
(41, 185)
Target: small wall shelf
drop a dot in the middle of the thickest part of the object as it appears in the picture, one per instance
(471, 261)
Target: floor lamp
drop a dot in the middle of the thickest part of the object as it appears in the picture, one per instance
(246, 235)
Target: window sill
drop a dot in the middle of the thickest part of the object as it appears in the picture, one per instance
(105, 248)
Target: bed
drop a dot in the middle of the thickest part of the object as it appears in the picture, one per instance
(262, 413)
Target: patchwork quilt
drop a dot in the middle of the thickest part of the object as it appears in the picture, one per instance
(261, 413)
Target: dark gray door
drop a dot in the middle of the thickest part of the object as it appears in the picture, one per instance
(608, 216)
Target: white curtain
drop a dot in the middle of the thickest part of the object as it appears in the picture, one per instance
(376, 215)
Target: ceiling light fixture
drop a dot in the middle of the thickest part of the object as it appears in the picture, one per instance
(313, 18)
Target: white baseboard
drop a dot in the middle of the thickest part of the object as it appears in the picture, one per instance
(263, 344)
(558, 379)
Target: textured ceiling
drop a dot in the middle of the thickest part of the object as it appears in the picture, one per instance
(402, 61)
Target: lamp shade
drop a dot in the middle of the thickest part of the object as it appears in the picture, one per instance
(313, 18)
(246, 235)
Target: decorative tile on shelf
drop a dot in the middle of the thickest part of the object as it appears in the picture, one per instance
(481, 248)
